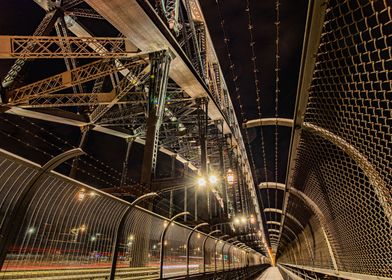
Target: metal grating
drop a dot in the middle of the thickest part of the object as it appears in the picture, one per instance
(344, 159)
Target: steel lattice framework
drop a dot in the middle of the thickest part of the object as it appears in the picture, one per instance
(336, 215)
(31, 47)
(117, 90)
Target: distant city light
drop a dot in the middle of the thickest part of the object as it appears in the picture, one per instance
(81, 195)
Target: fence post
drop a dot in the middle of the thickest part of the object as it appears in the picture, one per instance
(187, 245)
(216, 243)
(163, 241)
(231, 245)
(120, 231)
(204, 247)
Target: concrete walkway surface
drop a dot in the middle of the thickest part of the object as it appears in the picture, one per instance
(271, 273)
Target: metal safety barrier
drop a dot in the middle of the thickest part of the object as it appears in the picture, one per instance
(68, 231)
(339, 183)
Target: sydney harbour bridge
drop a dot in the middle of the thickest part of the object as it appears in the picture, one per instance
(175, 139)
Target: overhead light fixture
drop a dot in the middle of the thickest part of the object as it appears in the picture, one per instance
(201, 182)
(213, 179)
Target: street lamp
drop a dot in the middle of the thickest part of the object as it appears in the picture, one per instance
(213, 179)
(201, 182)
(230, 177)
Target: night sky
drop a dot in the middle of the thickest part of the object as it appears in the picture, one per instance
(292, 25)
(22, 16)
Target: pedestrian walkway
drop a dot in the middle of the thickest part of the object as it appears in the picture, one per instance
(271, 273)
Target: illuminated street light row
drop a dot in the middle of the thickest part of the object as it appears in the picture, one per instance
(212, 179)
(243, 220)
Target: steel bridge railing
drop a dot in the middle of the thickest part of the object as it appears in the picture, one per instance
(340, 175)
(68, 232)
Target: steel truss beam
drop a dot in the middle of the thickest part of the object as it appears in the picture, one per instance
(52, 47)
(67, 79)
(133, 79)
(75, 99)
(43, 28)
(87, 13)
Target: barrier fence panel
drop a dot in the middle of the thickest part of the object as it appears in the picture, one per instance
(69, 228)
(226, 256)
(210, 255)
(175, 251)
(196, 253)
(343, 159)
(219, 255)
(140, 241)
(13, 179)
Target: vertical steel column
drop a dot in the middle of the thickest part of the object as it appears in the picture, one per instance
(185, 202)
(196, 212)
(14, 220)
(161, 257)
(160, 63)
(237, 168)
(120, 231)
(188, 242)
(204, 247)
(171, 203)
(222, 172)
(202, 121)
(230, 153)
(125, 163)
(173, 166)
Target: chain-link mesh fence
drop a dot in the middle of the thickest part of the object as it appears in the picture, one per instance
(344, 163)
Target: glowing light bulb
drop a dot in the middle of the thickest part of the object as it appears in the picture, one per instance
(201, 182)
(213, 179)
